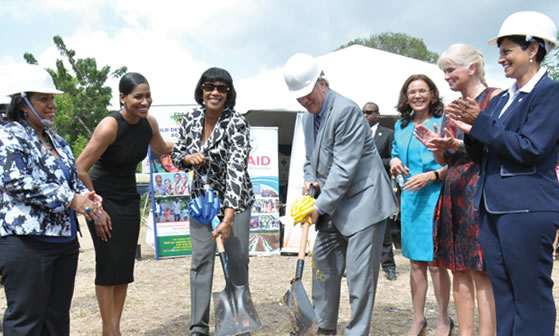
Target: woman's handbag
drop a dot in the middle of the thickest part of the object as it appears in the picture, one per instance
(324, 222)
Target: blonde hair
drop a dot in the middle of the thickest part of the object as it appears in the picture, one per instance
(464, 55)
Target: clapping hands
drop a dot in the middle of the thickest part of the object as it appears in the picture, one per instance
(434, 140)
(463, 112)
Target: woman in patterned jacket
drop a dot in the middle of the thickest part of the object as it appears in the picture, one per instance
(39, 195)
(215, 131)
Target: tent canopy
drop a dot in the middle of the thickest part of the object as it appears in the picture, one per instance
(360, 73)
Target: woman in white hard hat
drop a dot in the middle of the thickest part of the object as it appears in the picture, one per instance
(39, 195)
(456, 230)
(218, 132)
(118, 144)
(516, 140)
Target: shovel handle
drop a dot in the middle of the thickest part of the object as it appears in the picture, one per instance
(303, 242)
(219, 242)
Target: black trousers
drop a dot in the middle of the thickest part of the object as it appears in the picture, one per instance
(387, 256)
(38, 281)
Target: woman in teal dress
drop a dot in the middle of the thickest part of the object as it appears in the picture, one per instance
(419, 104)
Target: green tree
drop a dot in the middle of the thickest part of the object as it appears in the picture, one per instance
(86, 97)
(397, 43)
(551, 62)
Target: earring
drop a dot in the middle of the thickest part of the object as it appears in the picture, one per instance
(25, 115)
(531, 60)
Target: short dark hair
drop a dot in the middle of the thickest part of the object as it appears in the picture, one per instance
(371, 103)
(213, 75)
(130, 81)
(520, 40)
(14, 109)
(436, 106)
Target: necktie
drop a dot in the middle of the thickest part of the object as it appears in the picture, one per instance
(316, 124)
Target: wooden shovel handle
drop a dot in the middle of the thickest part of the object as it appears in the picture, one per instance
(219, 242)
(303, 242)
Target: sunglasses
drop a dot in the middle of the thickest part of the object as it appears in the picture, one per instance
(209, 87)
(367, 112)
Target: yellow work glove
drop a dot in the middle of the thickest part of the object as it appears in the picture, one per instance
(301, 208)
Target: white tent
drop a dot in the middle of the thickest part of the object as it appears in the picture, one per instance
(360, 73)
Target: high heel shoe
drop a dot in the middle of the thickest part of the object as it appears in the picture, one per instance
(423, 330)
(451, 326)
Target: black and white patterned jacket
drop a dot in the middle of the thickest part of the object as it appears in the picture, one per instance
(34, 193)
(228, 147)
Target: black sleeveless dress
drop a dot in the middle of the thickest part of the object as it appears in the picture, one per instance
(113, 177)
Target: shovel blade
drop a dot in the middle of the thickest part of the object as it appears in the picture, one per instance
(234, 311)
(301, 312)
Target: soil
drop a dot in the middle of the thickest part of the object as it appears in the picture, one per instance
(158, 301)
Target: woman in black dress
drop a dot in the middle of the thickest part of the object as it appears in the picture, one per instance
(118, 144)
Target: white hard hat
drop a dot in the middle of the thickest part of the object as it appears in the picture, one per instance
(530, 24)
(31, 78)
(301, 72)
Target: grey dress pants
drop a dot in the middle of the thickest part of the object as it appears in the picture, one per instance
(202, 266)
(361, 254)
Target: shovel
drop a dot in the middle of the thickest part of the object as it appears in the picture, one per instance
(234, 310)
(301, 312)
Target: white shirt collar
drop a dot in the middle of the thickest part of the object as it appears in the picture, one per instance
(528, 87)
(374, 128)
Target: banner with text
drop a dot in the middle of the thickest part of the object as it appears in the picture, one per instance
(263, 169)
(169, 225)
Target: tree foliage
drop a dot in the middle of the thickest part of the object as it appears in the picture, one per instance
(397, 43)
(86, 97)
(552, 63)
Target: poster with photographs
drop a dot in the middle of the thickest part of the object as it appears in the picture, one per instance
(169, 225)
(171, 195)
(263, 169)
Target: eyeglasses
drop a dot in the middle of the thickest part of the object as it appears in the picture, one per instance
(367, 112)
(420, 91)
(209, 87)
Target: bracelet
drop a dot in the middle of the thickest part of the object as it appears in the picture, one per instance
(228, 223)
(437, 176)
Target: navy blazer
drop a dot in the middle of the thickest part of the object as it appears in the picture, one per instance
(518, 151)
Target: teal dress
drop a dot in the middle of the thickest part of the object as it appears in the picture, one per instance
(417, 208)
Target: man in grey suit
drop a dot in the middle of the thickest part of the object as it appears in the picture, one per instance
(343, 163)
(383, 137)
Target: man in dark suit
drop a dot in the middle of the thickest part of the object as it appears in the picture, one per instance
(342, 162)
(383, 137)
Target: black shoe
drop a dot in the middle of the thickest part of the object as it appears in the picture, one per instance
(451, 327)
(391, 275)
(195, 333)
(423, 330)
(323, 331)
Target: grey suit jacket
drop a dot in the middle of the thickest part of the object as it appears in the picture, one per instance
(343, 159)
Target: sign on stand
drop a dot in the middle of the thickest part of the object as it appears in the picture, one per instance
(169, 222)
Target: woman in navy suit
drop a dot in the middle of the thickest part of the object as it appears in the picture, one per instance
(516, 140)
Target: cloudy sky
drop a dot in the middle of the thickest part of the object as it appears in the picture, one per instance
(173, 41)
